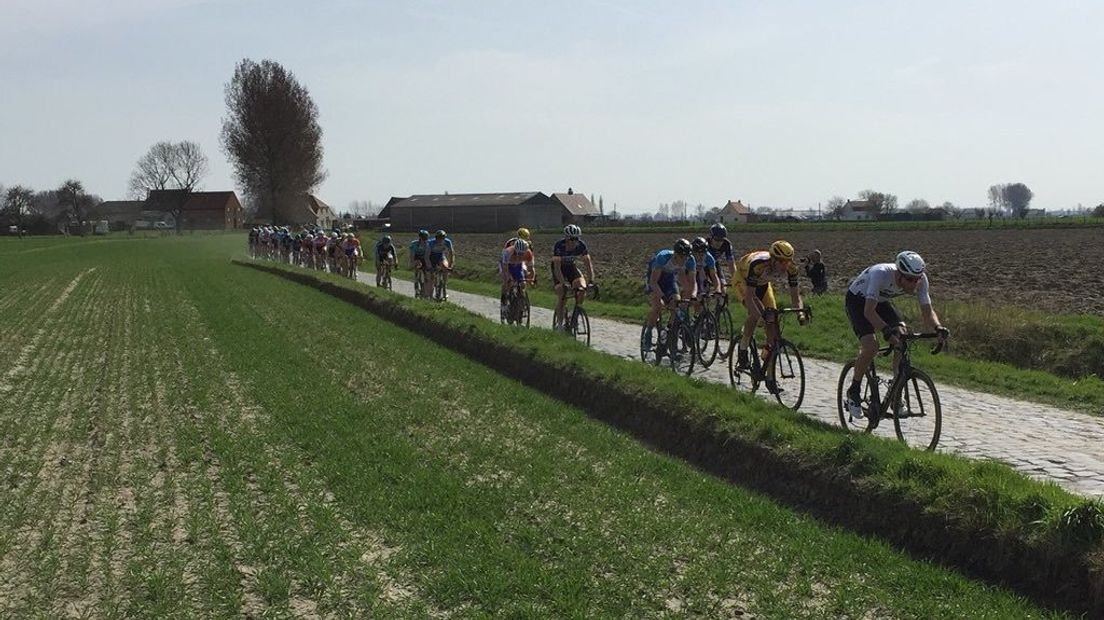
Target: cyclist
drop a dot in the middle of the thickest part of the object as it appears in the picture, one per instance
(709, 280)
(869, 309)
(254, 236)
(721, 249)
(350, 245)
(518, 263)
(418, 249)
(753, 287)
(503, 272)
(669, 272)
(320, 241)
(565, 270)
(440, 258)
(385, 257)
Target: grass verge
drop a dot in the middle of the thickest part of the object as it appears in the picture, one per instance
(1037, 538)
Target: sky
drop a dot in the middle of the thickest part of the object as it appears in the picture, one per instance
(781, 103)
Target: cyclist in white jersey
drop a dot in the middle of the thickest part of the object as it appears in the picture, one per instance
(869, 309)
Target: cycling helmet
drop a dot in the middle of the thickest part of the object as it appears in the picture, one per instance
(782, 250)
(440, 234)
(386, 239)
(699, 244)
(521, 246)
(523, 233)
(423, 234)
(718, 231)
(682, 246)
(910, 263)
(572, 231)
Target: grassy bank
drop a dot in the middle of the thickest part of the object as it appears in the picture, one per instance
(868, 484)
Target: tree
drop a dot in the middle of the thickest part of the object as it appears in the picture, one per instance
(950, 209)
(18, 202)
(74, 200)
(170, 166)
(1099, 210)
(1017, 197)
(917, 205)
(884, 204)
(996, 197)
(272, 137)
(834, 207)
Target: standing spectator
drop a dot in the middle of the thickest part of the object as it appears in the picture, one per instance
(816, 272)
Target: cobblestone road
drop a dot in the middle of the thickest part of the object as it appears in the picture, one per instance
(1064, 447)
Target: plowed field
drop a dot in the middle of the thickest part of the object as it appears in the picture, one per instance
(1046, 269)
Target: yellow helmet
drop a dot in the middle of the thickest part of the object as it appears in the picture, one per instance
(782, 250)
(523, 233)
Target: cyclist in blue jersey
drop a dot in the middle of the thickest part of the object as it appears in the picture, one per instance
(670, 272)
(441, 258)
(418, 251)
(709, 281)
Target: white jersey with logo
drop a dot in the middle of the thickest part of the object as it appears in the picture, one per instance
(879, 282)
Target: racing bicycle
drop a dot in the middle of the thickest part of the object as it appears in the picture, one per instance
(778, 366)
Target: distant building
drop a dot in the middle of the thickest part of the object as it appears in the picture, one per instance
(120, 214)
(735, 212)
(857, 210)
(484, 212)
(199, 210)
(577, 208)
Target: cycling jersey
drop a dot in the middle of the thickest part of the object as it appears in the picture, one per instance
(568, 256)
(351, 246)
(418, 249)
(383, 251)
(721, 247)
(707, 265)
(753, 268)
(512, 257)
(878, 282)
(662, 261)
(439, 247)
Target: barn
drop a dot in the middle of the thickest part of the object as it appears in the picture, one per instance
(474, 212)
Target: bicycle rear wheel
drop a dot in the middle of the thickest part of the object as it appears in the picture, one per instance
(868, 387)
(580, 325)
(788, 372)
(742, 378)
(651, 343)
(705, 336)
(917, 415)
(682, 349)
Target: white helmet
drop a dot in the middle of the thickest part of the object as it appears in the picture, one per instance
(910, 263)
(572, 231)
(520, 246)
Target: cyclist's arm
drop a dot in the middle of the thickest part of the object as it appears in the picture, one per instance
(715, 279)
(870, 311)
(689, 281)
(590, 267)
(557, 269)
(931, 319)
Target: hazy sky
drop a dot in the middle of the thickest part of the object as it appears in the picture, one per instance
(775, 103)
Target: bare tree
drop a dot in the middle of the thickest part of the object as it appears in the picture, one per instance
(75, 201)
(1017, 197)
(996, 197)
(834, 207)
(272, 136)
(917, 205)
(178, 166)
(18, 202)
(953, 211)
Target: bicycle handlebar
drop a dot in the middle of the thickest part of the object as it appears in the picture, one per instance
(905, 338)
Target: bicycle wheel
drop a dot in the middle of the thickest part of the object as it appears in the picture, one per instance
(419, 284)
(725, 334)
(743, 378)
(917, 416)
(523, 305)
(651, 342)
(788, 372)
(682, 349)
(705, 337)
(868, 387)
(580, 325)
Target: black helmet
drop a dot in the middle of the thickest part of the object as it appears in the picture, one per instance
(718, 231)
(682, 246)
(699, 244)
(386, 239)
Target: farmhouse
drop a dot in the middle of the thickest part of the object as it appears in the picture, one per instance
(311, 211)
(199, 210)
(735, 212)
(855, 210)
(487, 212)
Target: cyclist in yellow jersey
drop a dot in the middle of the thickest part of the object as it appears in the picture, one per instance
(752, 283)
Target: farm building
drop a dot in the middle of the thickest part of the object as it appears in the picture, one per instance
(735, 212)
(855, 210)
(487, 212)
(199, 210)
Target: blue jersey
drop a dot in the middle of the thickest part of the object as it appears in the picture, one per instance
(438, 248)
(662, 262)
(417, 249)
(707, 264)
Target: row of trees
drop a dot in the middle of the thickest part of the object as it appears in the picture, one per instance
(1011, 198)
(45, 211)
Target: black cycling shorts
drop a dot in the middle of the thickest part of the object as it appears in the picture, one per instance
(856, 313)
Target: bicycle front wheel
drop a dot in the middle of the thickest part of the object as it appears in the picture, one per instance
(705, 335)
(726, 337)
(788, 372)
(580, 325)
(917, 416)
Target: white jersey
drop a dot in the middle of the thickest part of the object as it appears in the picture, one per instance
(879, 282)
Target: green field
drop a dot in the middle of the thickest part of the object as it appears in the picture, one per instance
(184, 437)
